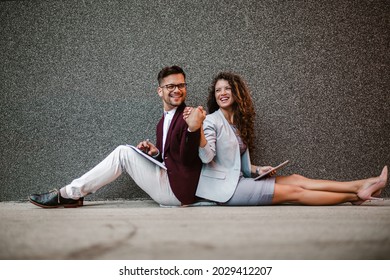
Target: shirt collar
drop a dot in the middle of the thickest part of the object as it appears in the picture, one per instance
(170, 112)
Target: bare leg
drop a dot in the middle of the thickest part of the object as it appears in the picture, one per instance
(300, 195)
(321, 185)
(366, 187)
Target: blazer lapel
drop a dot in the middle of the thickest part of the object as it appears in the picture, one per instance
(160, 133)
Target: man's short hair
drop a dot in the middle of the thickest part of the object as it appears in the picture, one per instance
(166, 71)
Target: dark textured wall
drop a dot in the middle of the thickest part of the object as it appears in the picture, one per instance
(78, 78)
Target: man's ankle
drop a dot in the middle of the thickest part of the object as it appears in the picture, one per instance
(63, 193)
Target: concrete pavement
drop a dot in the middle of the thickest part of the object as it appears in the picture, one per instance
(142, 230)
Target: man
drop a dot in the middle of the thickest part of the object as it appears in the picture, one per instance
(177, 147)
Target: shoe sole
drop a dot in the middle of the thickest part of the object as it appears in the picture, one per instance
(75, 205)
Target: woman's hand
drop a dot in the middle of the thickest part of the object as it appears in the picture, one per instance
(263, 169)
(187, 111)
(194, 117)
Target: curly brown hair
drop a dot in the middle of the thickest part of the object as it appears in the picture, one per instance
(244, 112)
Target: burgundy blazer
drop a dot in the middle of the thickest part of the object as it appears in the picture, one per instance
(181, 156)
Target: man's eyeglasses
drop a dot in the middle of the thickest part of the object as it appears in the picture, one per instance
(171, 87)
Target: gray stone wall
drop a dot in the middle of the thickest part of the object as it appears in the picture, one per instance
(78, 78)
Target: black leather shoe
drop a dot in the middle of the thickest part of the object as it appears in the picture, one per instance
(53, 199)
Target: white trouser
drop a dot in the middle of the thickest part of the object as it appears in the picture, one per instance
(148, 176)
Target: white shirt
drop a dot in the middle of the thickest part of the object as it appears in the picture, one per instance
(168, 116)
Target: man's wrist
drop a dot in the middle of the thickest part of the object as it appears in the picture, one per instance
(192, 129)
(156, 155)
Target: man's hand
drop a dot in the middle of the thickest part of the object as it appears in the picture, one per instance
(194, 117)
(148, 148)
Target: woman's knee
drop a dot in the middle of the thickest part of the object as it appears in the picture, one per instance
(297, 177)
(294, 179)
(288, 193)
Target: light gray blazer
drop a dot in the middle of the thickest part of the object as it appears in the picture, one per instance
(222, 162)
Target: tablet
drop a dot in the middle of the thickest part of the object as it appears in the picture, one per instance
(268, 172)
(148, 157)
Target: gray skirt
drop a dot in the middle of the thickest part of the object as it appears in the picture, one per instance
(252, 193)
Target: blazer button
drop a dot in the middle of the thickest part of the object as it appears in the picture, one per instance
(166, 158)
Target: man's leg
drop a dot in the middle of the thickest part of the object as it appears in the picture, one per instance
(148, 176)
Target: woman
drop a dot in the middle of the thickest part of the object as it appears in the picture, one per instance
(226, 139)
